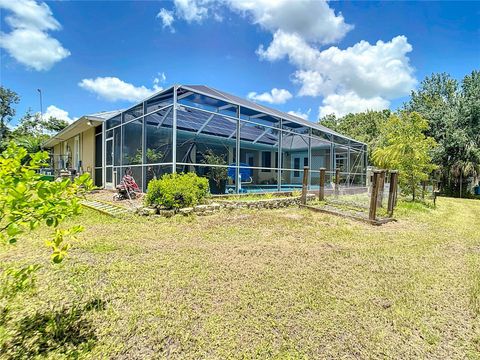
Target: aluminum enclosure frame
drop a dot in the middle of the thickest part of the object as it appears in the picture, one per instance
(179, 93)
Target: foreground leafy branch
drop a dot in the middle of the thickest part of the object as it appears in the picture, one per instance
(26, 202)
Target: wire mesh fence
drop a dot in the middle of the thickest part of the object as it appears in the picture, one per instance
(371, 196)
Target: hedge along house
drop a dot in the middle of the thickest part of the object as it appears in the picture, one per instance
(239, 145)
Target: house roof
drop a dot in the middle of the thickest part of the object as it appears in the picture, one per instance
(207, 90)
(80, 125)
(106, 114)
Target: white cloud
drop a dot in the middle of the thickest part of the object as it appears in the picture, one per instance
(29, 42)
(159, 80)
(299, 113)
(275, 96)
(167, 19)
(114, 89)
(192, 10)
(369, 70)
(53, 111)
(363, 76)
(313, 20)
(350, 102)
(35, 49)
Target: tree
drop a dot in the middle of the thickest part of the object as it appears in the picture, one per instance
(452, 112)
(29, 124)
(7, 99)
(405, 147)
(364, 126)
(52, 124)
(217, 174)
(469, 112)
(330, 121)
(31, 131)
(27, 202)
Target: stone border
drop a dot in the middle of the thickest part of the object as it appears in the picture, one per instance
(209, 209)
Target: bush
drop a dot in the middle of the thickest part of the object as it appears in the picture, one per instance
(175, 191)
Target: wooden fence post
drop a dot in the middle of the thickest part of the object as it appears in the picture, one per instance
(303, 199)
(337, 182)
(321, 190)
(392, 193)
(381, 188)
(373, 197)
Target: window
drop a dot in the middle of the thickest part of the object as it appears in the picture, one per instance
(257, 144)
(98, 151)
(117, 145)
(77, 162)
(109, 152)
(132, 143)
(159, 137)
(296, 165)
(204, 137)
(159, 102)
(133, 113)
(266, 160)
(293, 145)
(116, 120)
(98, 177)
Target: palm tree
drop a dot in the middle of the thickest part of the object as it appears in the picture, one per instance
(465, 168)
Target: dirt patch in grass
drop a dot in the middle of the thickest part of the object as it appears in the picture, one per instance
(108, 196)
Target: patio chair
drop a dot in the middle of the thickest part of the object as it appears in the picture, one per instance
(128, 188)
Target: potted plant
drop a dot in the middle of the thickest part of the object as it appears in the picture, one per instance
(217, 176)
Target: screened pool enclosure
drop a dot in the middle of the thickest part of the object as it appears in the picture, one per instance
(239, 145)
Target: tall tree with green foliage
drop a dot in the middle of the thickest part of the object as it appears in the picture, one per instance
(404, 147)
(469, 113)
(8, 98)
(453, 113)
(32, 131)
(365, 126)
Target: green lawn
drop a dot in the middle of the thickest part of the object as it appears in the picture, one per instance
(280, 284)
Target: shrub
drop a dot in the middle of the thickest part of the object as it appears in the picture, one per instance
(175, 191)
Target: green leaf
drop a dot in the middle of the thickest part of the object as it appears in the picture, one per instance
(57, 258)
(13, 229)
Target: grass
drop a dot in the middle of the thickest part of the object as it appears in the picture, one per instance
(284, 283)
(256, 196)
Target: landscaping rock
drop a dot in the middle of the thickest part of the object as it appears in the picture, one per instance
(138, 209)
(167, 213)
(201, 208)
(147, 211)
(208, 209)
(215, 206)
(186, 211)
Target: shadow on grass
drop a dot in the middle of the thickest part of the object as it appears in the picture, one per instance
(65, 331)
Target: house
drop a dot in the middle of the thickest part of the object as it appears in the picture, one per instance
(198, 128)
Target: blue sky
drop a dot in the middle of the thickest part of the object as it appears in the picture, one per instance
(90, 56)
